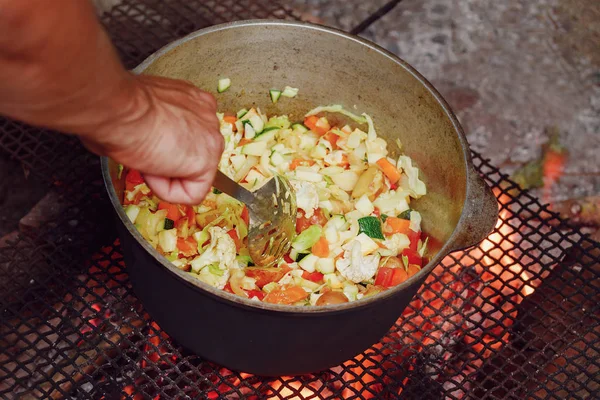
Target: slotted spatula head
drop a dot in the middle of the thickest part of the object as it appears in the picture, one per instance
(272, 221)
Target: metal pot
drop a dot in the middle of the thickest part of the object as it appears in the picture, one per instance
(329, 67)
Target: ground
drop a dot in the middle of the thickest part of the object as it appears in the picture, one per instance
(509, 70)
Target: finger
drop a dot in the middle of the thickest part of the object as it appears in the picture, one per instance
(180, 190)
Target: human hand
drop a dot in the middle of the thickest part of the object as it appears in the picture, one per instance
(170, 133)
(64, 74)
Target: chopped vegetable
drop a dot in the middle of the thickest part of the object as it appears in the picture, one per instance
(169, 224)
(332, 297)
(356, 234)
(287, 295)
(307, 238)
(336, 108)
(223, 85)
(264, 276)
(167, 240)
(396, 225)
(405, 215)
(320, 126)
(275, 95)
(172, 210)
(321, 248)
(371, 226)
(289, 92)
(241, 113)
(392, 173)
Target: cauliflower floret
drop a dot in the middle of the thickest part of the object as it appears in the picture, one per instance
(395, 244)
(356, 268)
(307, 197)
(214, 276)
(221, 251)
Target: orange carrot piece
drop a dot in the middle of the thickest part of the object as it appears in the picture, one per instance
(321, 248)
(320, 126)
(286, 295)
(172, 210)
(296, 162)
(332, 138)
(244, 141)
(232, 120)
(392, 173)
(397, 225)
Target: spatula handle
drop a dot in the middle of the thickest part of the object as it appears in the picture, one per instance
(227, 185)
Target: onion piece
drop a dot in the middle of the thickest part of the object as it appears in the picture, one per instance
(251, 161)
(235, 281)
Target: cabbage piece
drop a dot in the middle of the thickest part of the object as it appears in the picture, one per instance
(372, 134)
(416, 187)
(337, 108)
(278, 122)
(415, 221)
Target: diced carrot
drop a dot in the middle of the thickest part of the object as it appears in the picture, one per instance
(286, 295)
(320, 126)
(396, 225)
(332, 138)
(311, 122)
(173, 212)
(231, 120)
(321, 248)
(392, 173)
(296, 162)
(244, 141)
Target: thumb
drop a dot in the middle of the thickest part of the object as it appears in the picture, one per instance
(181, 190)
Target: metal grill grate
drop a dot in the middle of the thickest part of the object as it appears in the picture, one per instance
(515, 318)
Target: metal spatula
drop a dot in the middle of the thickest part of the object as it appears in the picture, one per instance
(272, 216)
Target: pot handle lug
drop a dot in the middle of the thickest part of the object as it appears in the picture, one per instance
(480, 214)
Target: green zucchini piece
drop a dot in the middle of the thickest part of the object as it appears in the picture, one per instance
(223, 85)
(169, 224)
(370, 226)
(275, 95)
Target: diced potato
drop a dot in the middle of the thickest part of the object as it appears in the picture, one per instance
(364, 205)
(346, 180)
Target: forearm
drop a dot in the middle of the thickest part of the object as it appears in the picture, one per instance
(58, 68)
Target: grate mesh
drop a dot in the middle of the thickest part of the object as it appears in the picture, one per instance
(514, 318)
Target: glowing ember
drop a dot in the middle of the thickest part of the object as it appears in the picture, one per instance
(468, 304)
